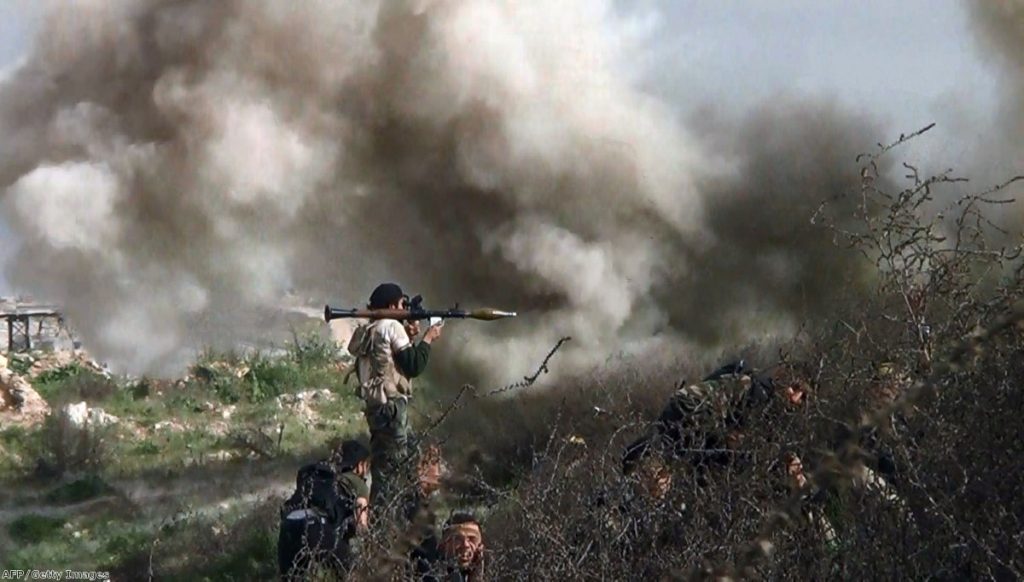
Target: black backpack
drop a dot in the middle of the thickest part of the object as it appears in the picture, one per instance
(316, 487)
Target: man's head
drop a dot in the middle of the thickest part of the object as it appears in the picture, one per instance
(352, 455)
(387, 296)
(889, 383)
(462, 540)
(655, 476)
(794, 470)
(430, 470)
(793, 381)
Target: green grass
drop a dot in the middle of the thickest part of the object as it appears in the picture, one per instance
(19, 445)
(186, 550)
(124, 543)
(79, 490)
(240, 544)
(254, 558)
(33, 529)
(146, 448)
(73, 383)
(59, 374)
(217, 381)
(99, 544)
(18, 363)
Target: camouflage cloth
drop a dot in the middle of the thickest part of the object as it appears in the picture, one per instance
(711, 407)
(385, 390)
(374, 345)
(710, 402)
(391, 450)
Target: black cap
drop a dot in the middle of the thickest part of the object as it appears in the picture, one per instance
(385, 294)
(459, 518)
(351, 453)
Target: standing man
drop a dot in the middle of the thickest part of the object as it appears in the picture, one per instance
(386, 361)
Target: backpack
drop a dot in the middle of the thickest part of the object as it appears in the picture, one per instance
(316, 487)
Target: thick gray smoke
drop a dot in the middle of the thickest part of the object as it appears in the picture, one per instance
(1000, 24)
(168, 160)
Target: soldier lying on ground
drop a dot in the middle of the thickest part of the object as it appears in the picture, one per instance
(320, 521)
(458, 558)
(704, 422)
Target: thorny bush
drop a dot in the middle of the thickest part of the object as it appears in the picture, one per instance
(904, 461)
(911, 440)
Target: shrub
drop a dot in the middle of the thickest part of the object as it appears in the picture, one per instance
(81, 489)
(912, 441)
(268, 379)
(313, 351)
(34, 529)
(72, 383)
(59, 374)
(20, 364)
(65, 447)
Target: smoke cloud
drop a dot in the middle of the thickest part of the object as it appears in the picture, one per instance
(170, 161)
(1000, 25)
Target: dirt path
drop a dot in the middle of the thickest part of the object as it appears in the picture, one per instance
(152, 501)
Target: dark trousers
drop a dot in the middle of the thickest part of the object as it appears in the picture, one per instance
(390, 448)
(310, 544)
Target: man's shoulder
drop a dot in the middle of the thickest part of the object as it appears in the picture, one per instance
(731, 382)
(388, 327)
(353, 484)
(695, 389)
(723, 386)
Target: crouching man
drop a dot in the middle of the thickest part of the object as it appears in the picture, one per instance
(458, 558)
(329, 509)
(705, 422)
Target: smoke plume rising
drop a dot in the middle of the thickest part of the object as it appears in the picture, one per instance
(1000, 25)
(166, 161)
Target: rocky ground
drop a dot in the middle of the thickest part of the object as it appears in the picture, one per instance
(99, 469)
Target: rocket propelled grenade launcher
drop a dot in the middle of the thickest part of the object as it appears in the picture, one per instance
(416, 311)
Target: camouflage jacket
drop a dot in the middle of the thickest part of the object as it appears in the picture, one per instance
(700, 418)
(709, 407)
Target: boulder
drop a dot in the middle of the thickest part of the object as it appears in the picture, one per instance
(169, 425)
(19, 404)
(81, 416)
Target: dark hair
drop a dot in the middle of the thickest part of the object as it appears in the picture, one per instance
(349, 454)
(386, 294)
(634, 453)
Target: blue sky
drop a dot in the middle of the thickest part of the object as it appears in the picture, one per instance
(905, 62)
